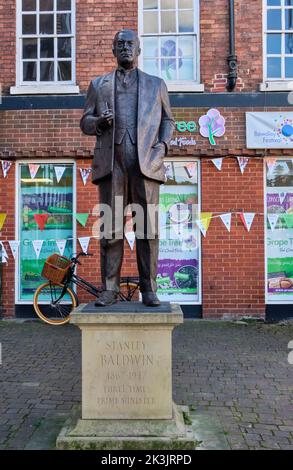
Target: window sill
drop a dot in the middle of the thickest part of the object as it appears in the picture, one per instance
(185, 87)
(44, 90)
(281, 85)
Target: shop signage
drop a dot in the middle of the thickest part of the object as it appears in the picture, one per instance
(269, 130)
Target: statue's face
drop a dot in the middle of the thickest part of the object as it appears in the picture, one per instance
(126, 49)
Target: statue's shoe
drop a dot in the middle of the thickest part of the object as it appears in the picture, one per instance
(150, 299)
(106, 298)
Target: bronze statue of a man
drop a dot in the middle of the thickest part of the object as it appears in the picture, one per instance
(129, 112)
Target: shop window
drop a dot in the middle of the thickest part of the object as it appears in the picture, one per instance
(179, 274)
(45, 214)
(278, 40)
(169, 32)
(46, 44)
(279, 231)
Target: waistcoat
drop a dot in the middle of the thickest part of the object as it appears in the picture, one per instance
(126, 98)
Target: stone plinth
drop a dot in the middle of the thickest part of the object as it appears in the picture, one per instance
(126, 360)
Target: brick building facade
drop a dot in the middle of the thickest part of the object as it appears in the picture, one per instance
(41, 126)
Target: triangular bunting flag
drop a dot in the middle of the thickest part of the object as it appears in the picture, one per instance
(61, 246)
(273, 219)
(247, 219)
(271, 163)
(59, 170)
(242, 162)
(6, 165)
(218, 163)
(85, 172)
(3, 251)
(14, 245)
(2, 220)
(84, 243)
(226, 219)
(204, 222)
(33, 168)
(201, 227)
(288, 219)
(82, 218)
(37, 244)
(282, 197)
(41, 220)
(130, 237)
(190, 169)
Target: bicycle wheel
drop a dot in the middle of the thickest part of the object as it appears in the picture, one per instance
(58, 311)
(129, 291)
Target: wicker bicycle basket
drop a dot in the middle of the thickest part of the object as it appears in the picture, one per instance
(56, 267)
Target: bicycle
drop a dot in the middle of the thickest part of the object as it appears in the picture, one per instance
(60, 273)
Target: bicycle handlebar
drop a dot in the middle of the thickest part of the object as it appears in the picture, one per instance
(81, 253)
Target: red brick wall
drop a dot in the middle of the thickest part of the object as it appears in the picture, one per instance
(97, 23)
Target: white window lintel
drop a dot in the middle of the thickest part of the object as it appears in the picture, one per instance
(44, 89)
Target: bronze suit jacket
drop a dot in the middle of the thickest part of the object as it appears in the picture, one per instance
(154, 124)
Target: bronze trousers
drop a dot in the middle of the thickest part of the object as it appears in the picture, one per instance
(127, 185)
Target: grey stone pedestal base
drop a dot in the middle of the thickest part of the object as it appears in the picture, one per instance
(139, 434)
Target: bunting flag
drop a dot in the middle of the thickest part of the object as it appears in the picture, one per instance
(4, 253)
(247, 219)
(282, 197)
(190, 169)
(61, 246)
(59, 170)
(85, 172)
(242, 162)
(218, 163)
(33, 168)
(130, 237)
(82, 218)
(14, 246)
(84, 243)
(273, 220)
(226, 219)
(2, 219)
(37, 244)
(41, 220)
(288, 219)
(204, 222)
(6, 165)
(271, 163)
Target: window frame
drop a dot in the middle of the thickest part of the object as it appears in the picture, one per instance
(177, 85)
(275, 84)
(41, 87)
(58, 161)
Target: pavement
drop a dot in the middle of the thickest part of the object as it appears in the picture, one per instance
(235, 377)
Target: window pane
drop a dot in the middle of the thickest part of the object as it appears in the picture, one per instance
(289, 43)
(185, 4)
(186, 46)
(289, 3)
(28, 5)
(274, 43)
(46, 71)
(150, 47)
(29, 71)
(168, 22)
(274, 67)
(274, 19)
(273, 3)
(29, 24)
(289, 67)
(168, 4)
(150, 4)
(64, 47)
(168, 67)
(150, 22)
(47, 47)
(46, 5)
(64, 23)
(29, 48)
(46, 24)
(150, 66)
(186, 69)
(186, 21)
(64, 71)
(63, 4)
(289, 19)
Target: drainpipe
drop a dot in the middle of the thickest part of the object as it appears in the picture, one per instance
(232, 58)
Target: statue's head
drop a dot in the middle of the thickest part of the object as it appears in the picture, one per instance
(126, 48)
